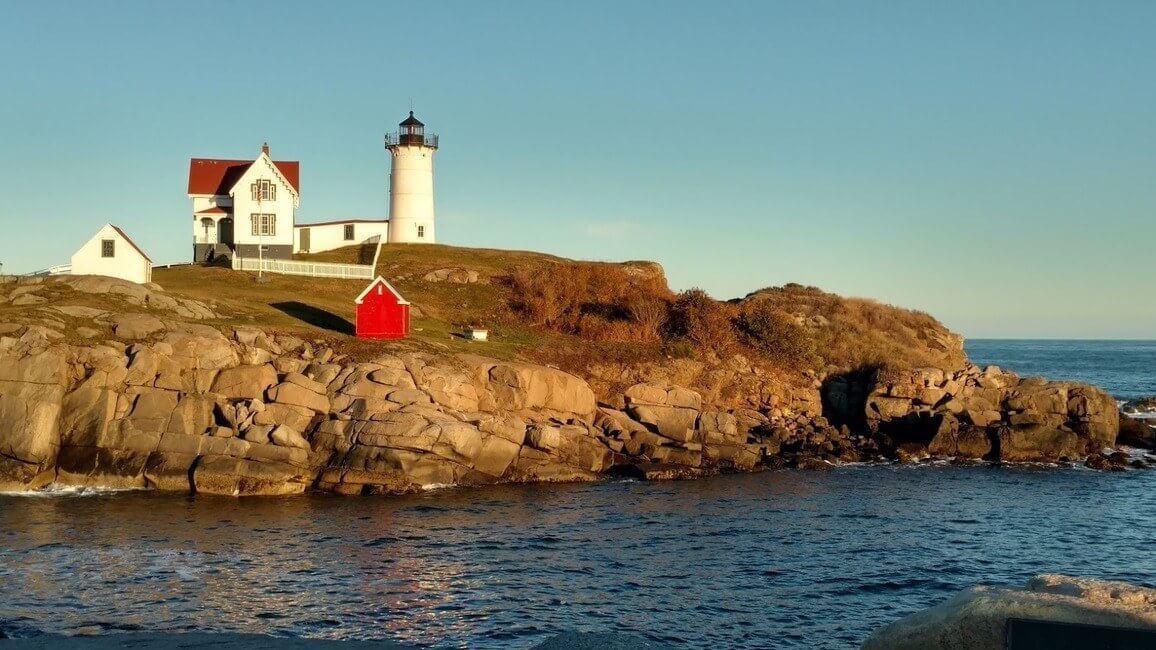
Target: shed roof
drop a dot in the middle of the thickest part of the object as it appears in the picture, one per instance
(380, 280)
(129, 240)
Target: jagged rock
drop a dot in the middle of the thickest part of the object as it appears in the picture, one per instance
(1137, 433)
(450, 390)
(258, 433)
(452, 275)
(658, 471)
(305, 382)
(28, 299)
(670, 421)
(135, 326)
(1031, 419)
(976, 618)
(205, 349)
(1039, 443)
(720, 427)
(237, 476)
(288, 437)
(520, 386)
(294, 395)
(393, 377)
(297, 417)
(244, 382)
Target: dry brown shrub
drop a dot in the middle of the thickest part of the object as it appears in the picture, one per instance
(593, 300)
(649, 314)
(860, 332)
(703, 321)
(778, 336)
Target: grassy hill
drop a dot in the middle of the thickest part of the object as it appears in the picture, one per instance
(571, 314)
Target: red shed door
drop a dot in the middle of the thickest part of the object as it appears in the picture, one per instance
(379, 316)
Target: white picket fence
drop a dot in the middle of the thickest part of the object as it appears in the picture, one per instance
(311, 269)
(59, 269)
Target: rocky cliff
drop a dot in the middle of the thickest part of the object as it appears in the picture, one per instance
(110, 384)
(980, 414)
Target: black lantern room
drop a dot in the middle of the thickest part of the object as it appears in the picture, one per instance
(411, 132)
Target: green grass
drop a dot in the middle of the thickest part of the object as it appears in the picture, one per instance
(324, 308)
(858, 332)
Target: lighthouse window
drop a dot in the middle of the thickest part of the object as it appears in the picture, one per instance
(108, 248)
(348, 232)
(421, 231)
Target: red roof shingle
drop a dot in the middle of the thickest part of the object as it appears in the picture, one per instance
(213, 176)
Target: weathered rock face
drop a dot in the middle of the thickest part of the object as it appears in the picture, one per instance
(973, 413)
(140, 398)
(976, 618)
(183, 407)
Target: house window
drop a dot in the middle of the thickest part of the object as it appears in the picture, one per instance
(348, 232)
(421, 231)
(264, 224)
(108, 248)
(263, 190)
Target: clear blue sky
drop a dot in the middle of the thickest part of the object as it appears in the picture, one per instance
(992, 163)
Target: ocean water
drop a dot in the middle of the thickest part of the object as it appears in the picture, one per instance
(783, 559)
(1126, 369)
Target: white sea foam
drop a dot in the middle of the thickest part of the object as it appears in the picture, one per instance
(54, 490)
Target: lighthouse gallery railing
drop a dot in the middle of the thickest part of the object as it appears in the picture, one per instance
(417, 139)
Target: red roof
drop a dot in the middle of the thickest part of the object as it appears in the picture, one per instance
(212, 176)
(131, 243)
(216, 209)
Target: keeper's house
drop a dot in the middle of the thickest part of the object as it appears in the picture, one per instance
(240, 205)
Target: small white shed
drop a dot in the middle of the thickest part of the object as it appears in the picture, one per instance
(110, 252)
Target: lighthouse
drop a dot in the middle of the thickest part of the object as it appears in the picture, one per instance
(411, 203)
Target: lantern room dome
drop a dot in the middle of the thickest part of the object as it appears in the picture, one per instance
(411, 121)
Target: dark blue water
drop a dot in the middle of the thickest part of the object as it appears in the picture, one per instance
(1126, 369)
(780, 559)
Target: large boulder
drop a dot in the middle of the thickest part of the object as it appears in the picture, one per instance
(671, 411)
(993, 413)
(31, 395)
(524, 386)
(296, 395)
(245, 382)
(976, 618)
(135, 326)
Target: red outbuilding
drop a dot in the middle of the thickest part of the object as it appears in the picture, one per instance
(381, 312)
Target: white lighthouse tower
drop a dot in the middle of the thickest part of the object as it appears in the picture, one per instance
(411, 203)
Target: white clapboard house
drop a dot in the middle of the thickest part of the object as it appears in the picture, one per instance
(243, 207)
(110, 252)
(240, 205)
